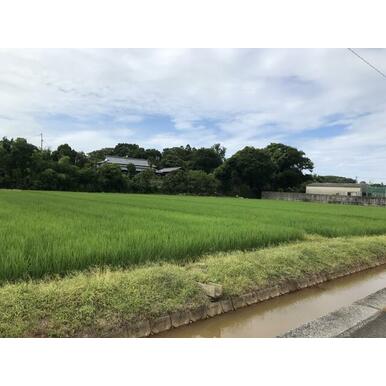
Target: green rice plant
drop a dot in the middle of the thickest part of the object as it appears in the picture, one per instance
(103, 302)
(45, 233)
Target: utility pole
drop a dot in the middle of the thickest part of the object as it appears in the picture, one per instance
(41, 141)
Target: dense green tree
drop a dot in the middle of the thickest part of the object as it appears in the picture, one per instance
(42, 160)
(131, 170)
(111, 179)
(175, 183)
(289, 166)
(334, 179)
(99, 155)
(206, 159)
(219, 150)
(246, 173)
(154, 156)
(201, 183)
(88, 179)
(75, 158)
(64, 150)
(49, 179)
(128, 150)
(81, 159)
(16, 163)
(5, 178)
(190, 181)
(146, 182)
(176, 156)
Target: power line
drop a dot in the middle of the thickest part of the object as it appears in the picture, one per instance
(368, 63)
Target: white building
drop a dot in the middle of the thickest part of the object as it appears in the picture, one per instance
(337, 189)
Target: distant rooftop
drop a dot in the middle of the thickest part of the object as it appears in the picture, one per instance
(126, 160)
(168, 170)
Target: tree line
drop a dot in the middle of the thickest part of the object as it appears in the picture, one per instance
(203, 171)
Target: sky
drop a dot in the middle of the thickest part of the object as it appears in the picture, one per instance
(326, 102)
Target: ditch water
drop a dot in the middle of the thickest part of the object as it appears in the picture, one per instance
(276, 316)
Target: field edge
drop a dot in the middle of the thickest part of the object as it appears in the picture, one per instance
(106, 303)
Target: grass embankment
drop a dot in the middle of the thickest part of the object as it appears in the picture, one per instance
(44, 233)
(102, 303)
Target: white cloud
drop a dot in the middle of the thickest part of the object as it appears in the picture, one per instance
(236, 97)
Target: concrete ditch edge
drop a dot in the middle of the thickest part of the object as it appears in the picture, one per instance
(149, 327)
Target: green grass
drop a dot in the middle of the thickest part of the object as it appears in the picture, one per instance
(103, 302)
(239, 272)
(44, 233)
(95, 303)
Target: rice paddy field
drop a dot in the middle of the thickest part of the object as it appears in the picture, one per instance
(46, 233)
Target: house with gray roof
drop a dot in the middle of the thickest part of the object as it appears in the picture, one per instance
(139, 163)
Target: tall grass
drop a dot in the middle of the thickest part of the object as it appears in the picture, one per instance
(56, 232)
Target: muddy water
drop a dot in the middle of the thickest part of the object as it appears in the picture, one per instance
(278, 315)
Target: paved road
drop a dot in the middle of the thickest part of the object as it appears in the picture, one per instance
(374, 329)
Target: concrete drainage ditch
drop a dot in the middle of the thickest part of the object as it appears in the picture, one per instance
(145, 328)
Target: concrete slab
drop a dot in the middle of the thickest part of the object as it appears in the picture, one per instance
(238, 302)
(345, 321)
(262, 294)
(335, 323)
(214, 291)
(377, 300)
(250, 298)
(160, 324)
(139, 329)
(180, 318)
(373, 329)
(226, 305)
(198, 313)
(214, 309)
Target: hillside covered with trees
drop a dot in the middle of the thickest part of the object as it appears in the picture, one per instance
(204, 171)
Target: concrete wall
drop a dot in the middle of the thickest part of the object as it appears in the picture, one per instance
(336, 190)
(325, 198)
